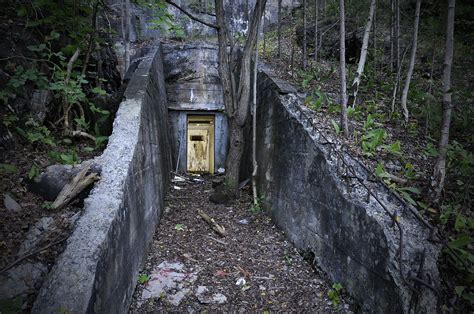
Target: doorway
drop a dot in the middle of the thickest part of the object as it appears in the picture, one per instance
(200, 144)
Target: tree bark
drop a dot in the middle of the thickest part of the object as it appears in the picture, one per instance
(411, 65)
(397, 33)
(392, 33)
(342, 54)
(126, 36)
(363, 54)
(237, 100)
(305, 42)
(316, 12)
(279, 29)
(254, 128)
(439, 172)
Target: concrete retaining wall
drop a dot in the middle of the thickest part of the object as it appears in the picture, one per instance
(98, 270)
(356, 243)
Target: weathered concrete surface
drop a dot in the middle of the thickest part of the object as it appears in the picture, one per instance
(193, 87)
(356, 243)
(98, 270)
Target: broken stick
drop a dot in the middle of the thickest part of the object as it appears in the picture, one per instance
(76, 186)
(214, 225)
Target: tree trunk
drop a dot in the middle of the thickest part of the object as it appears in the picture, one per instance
(375, 38)
(126, 36)
(305, 42)
(342, 54)
(397, 33)
(254, 128)
(279, 29)
(237, 100)
(392, 33)
(439, 172)
(412, 62)
(316, 11)
(363, 54)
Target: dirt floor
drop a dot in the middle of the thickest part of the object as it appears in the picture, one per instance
(253, 268)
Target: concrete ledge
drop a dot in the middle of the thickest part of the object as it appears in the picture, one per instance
(353, 240)
(98, 270)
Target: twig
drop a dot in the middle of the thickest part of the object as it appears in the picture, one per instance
(192, 17)
(214, 225)
(243, 271)
(217, 240)
(19, 260)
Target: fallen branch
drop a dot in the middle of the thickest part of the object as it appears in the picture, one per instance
(19, 260)
(217, 240)
(243, 271)
(76, 186)
(214, 225)
(191, 16)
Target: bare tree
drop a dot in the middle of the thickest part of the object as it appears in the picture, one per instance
(316, 11)
(397, 33)
(363, 54)
(126, 35)
(236, 86)
(439, 172)
(254, 127)
(392, 33)
(236, 94)
(305, 42)
(279, 29)
(411, 65)
(342, 54)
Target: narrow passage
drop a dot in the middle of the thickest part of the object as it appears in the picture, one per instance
(253, 268)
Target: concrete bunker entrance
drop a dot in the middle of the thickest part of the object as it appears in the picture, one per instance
(200, 143)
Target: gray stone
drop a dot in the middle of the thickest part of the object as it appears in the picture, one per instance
(21, 279)
(171, 281)
(51, 181)
(354, 241)
(39, 104)
(35, 235)
(98, 270)
(10, 204)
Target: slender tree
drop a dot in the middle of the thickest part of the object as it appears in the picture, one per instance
(397, 33)
(236, 94)
(316, 12)
(254, 127)
(305, 42)
(363, 54)
(126, 35)
(392, 33)
(342, 55)
(279, 29)
(439, 172)
(411, 65)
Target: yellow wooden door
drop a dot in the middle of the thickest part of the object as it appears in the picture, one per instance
(200, 147)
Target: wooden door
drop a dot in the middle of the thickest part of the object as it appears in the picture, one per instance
(200, 144)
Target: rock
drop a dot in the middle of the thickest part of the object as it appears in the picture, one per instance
(11, 204)
(39, 104)
(393, 166)
(203, 295)
(170, 280)
(21, 279)
(50, 182)
(35, 235)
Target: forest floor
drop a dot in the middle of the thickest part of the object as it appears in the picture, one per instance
(190, 268)
(29, 227)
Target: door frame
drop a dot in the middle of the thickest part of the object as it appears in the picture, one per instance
(206, 119)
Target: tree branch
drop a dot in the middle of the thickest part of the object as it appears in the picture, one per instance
(192, 17)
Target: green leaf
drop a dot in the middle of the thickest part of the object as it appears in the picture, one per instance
(460, 242)
(336, 127)
(179, 227)
(8, 168)
(459, 290)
